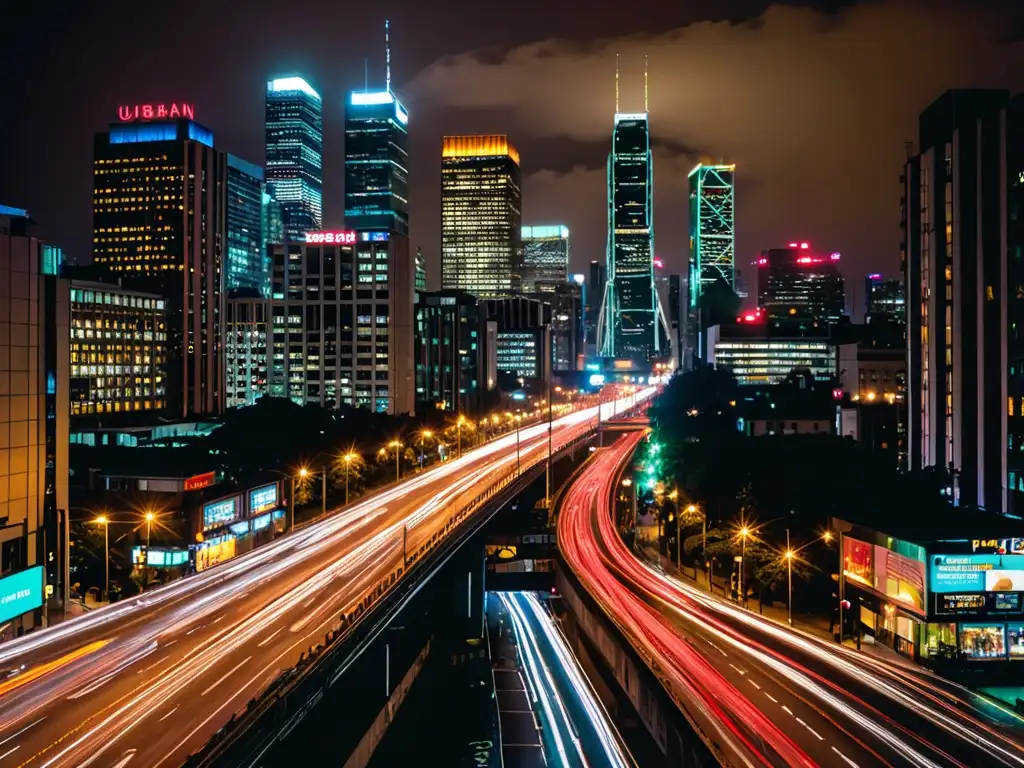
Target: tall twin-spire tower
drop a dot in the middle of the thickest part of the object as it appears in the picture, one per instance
(631, 324)
(377, 156)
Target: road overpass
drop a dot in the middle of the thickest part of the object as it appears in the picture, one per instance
(147, 682)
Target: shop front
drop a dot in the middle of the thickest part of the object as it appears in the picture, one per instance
(885, 579)
(236, 524)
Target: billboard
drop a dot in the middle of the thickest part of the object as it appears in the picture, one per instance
(976, 573)
(263, 498)
(221, 512)
(899, 577)
(215, 552)
(21, 592)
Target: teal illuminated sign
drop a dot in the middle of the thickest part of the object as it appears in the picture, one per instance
(21, 593)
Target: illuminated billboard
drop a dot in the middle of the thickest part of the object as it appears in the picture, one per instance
(976, 573)
(885, 572)
(21, 592)
(263, 498)
(222, 512)
(215, 551)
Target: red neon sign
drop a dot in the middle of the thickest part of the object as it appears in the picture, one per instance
(129, 112)
(205, 480)
(339, 238)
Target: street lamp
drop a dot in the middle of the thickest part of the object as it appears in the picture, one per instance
(458, 428)
(303, 474)
(628, 483)
(105, 522)
(744, 532)
(425, 434)
(397, 445)
(348, 458)
(789, 577)
(150, 517)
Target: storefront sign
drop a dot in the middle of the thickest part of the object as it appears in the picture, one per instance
(999, 546)
(21, 592)
(160, 558)
(959, 604)
(331, 238)
(977, 573)
(220, 513)
(263, 498)
(205, 480)
(858, 561)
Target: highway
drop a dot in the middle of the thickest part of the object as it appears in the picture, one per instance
(147, 681)
(577, 730)
(761, 693)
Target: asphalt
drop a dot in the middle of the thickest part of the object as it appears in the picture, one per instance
(146, 682)
(763, 692)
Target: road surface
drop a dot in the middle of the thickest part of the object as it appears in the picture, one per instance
(762, 693)
(147, 681)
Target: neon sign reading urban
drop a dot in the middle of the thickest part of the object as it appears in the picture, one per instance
(339, 238)
(130, 112)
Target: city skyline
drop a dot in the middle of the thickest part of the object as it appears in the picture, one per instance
(453, 91)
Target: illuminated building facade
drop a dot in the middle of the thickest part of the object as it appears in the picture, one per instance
(245, 266)
(245, 347)
(295, 148)
(272, 223)
(481, 215)
(630, 326)
(566, 299)
(34, 317)
(119, 354)
(963, 201)
(795, 283)
(376, 162)
(595, 296)
(160, 226)
(757, 357)
(523, 340)
(712, 237)
(421, 270)
(884, 298)
(455, 365)
(341, 321)
(545, 257)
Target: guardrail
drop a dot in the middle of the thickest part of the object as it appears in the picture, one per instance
(304, 682)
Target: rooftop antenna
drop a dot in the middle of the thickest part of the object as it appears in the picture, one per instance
(387, 55)
(616, 82)
(645, 82)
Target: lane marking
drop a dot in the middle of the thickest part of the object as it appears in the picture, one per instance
(18, 733)
(223, 616)
(168, 645)
(270, 637)
(168, 714)
(226, 676)
(771, 697)
(848, 760)
(805, 725)
(787, 709)
(742, 672)
(10, 752)
(749, 680)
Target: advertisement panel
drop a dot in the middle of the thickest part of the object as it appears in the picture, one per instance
(216, 551)
(21, 592)
(858, 561)
(219, 513)
(900, 577)
(983, 641)
(197, 482)
(263, 498)
(977, 573)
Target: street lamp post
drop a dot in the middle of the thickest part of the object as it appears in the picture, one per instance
(397, 445)
(424, 435)
(348, 459)
(744, 532)
(149, 524)
(458, 428)
(789, 577)
(105, 522)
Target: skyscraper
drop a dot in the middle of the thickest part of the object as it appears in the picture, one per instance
(377, 158)
(34, 356)
(630, 324)
(295, 146)
(545, 258)
(481, 215)
(712, 237)
(160, 225)
(796, 283)
(884, 298)
(962, 204)
(421, 270)
(245, 266)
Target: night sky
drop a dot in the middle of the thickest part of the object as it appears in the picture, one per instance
(813, 101)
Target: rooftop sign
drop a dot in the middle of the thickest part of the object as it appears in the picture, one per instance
(173, 111)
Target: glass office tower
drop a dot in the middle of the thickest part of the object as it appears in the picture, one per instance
(376, 162)
(481, 215)
(245, 265)
(629, 327)
(545, 257)
(295, 145)
(712, 237)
